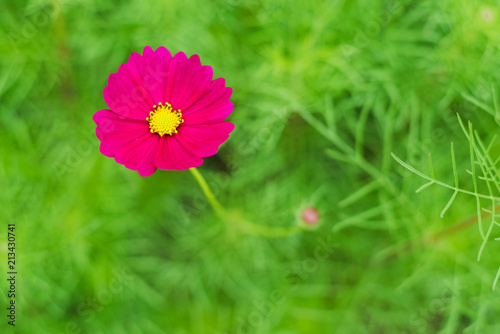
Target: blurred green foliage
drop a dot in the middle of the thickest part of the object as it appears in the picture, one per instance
(324, 91)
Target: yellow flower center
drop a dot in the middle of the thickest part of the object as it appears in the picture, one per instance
(163, 120)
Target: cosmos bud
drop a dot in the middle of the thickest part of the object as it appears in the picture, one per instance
(310, 216)
(487, 14)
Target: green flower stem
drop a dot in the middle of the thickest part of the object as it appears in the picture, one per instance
(234, 219)
(208, 193)
(266, 231)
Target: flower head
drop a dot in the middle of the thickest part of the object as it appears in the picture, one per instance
(164, 112)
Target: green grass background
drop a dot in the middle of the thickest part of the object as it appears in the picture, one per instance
(324, 91)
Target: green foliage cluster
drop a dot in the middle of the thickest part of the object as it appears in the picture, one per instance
(324, 92)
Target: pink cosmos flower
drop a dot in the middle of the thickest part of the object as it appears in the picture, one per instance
(164, 112)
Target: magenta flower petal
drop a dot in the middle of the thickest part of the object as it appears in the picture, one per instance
(175, 71)
(139, 154)
(204, 140)
(151, 70)
(171, 155)
(125, 96)
(116, 132)
(166, 112)
(213, 107)
(193, 81)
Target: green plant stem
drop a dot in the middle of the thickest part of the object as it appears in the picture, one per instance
(235, 220)
(266, 231)
(208, 193)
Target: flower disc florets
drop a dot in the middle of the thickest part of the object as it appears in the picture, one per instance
(163, 120)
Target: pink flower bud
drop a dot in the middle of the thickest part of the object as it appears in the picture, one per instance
(310, 216)
(487, 15)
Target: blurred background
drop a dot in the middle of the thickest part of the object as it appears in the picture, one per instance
(324, 91)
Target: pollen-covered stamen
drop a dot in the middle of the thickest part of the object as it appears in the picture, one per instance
(163, 120)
